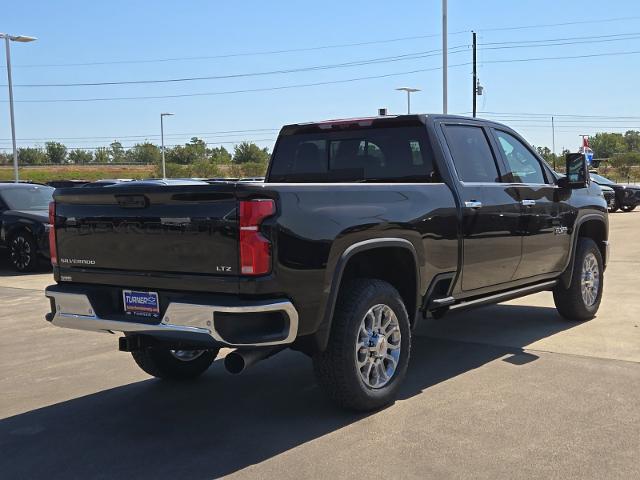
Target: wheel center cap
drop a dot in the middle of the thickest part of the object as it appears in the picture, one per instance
(378, 345)
(588, 279)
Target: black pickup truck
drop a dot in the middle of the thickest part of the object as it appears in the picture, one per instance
(361, 228)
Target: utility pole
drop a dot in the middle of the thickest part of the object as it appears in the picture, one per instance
(553, 141)
(475, 77)
(445, 62)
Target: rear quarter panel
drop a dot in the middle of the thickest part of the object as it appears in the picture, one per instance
(317, 223)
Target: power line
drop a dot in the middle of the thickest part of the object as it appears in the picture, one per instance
(575, 124)
(356, 63)
(503, 116)
(563, 24)
(241, 54)
(394, 58)
(231, 92)
(127, 147)
(324, 47)
(187, 134)
(568, 57)
(560, 44)
(371, 61)
(541, 122)
(313, 84)
(560, 121)
(562, 39)
(627, 127)
(527, 114)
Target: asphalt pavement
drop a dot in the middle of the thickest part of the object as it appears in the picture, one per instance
(508, 391)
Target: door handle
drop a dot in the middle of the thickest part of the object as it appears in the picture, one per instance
(527, 203)
(473, 204)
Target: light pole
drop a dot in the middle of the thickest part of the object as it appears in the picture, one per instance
(409, 91)
(162, 115)
(7, 39)
(445, 62)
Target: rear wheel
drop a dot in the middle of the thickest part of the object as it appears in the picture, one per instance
(628, 208)
(369, 347)
(582, 299)
(174, 364)
(23, 253)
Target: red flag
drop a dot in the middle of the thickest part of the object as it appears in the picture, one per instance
(585, 142)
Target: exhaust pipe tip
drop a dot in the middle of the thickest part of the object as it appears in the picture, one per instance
(239, 360)
(234, 363)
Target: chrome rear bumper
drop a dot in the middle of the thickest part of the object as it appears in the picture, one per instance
(75, 311)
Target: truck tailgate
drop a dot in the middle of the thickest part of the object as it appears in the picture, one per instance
(163, 229)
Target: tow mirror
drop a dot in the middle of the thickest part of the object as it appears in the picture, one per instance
(577, 171)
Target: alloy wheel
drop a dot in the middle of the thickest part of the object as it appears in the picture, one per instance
(590, 280)
(20, 252)
(378, 346)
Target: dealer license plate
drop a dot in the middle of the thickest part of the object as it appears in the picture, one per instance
(141, 303)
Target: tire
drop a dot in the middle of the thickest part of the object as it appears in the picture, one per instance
(23, 252)
(343, 370)
(572, 303)
(628, 208)
(168, 364)
(613, 208)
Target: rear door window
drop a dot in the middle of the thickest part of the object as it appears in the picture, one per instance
(472, 155)
(400, 154)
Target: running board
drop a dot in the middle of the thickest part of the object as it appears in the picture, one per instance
(504, 296)
(441, 303)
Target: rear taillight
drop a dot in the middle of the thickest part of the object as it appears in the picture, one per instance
(53, 249)
(255, 250)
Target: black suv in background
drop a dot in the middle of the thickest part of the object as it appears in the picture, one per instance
(627, 197)
(24, 223)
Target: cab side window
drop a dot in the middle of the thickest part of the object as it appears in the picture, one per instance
(523, 166)
(472, 155)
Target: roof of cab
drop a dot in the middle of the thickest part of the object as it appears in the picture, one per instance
(378, 121)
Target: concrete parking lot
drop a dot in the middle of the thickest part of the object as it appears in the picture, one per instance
(507, 391)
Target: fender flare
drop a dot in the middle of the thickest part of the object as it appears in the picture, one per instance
(567, 274)
(322, 335)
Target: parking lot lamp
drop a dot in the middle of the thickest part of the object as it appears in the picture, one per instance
(8, 39)
(409, 91)
(162, 115)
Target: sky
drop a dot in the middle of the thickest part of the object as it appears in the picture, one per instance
(246, 41)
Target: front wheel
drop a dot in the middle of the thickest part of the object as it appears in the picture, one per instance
(628, 208)
(369, 347)
(582, 299)
(174, 364)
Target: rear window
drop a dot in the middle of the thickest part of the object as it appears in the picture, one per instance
(401, 154)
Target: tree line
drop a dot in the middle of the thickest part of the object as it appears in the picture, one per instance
(619, 150)
(194, 158)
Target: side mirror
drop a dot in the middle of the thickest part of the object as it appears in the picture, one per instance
(577, 172)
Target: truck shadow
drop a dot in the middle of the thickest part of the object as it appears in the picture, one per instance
(222, 424)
